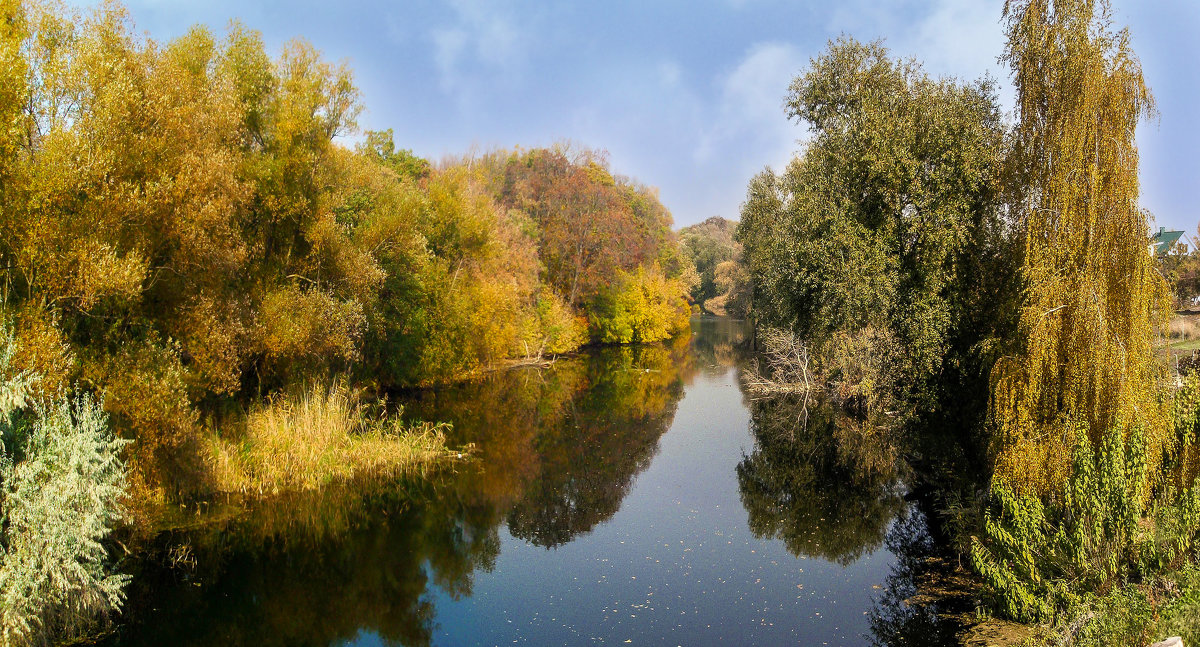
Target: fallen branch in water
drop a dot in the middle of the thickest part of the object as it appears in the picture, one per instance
(787, 370)
(787, 366)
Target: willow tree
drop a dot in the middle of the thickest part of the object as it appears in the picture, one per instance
(1093, 298)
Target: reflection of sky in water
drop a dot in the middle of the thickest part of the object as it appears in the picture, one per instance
(676, 565)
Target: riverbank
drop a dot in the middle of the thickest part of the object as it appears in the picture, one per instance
(306, 441)
(952, 592)
(323, 434)
(543, 361)
(628, 493)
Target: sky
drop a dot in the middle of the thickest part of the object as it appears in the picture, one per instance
(684, 95)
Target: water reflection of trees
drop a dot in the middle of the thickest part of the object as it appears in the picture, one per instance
(824, 483)
(719, 343)
(921, 604)
(556, 452)
(587, 463)
(558, 449)
(831, 484)
(313, 569)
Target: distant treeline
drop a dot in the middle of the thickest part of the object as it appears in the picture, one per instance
(722, 285)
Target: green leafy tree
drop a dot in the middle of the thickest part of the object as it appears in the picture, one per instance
(875, 229)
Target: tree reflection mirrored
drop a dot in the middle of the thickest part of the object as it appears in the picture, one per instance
(817, 481)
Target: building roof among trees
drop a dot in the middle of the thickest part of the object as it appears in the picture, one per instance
(1161, 241)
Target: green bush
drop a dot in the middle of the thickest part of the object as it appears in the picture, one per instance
(61, 483)
(1040, 556)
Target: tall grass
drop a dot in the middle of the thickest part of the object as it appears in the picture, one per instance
(321, 435)
(1184, 328)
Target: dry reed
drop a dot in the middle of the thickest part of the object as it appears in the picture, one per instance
(322, 435)
(1184, 328)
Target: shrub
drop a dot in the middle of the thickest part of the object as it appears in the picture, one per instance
(15, 389)
(1041, 555)
(61, 482)
(1135, 614)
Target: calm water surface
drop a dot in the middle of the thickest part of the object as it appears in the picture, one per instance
(631, 496)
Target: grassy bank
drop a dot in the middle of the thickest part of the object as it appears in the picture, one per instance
(317, 436)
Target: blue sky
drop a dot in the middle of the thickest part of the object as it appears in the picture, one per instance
(685, 96)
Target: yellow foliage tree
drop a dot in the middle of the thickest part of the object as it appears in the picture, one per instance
(1093, 298)
(643, 306)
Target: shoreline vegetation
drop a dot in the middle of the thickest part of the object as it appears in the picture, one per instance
(985, 290)
(209, 277)
(201, 251)
(322, 435)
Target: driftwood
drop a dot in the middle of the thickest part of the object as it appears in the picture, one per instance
(787, 370)
(787, 366)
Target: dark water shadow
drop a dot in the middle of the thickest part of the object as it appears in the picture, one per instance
(817, 482)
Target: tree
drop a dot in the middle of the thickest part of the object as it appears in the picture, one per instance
(379, 145)
(1093, 297)
(872, 231)
(590, 223)
(642, 306)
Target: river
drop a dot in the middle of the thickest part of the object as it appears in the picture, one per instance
(632, 495)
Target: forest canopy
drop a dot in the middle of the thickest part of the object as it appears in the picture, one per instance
(190, 223)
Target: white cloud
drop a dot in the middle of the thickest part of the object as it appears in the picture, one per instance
(483, 42)
(669, 73)
(749, 112)
(959, 38)
(756, 87)
(448, 47)
(492, 31)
